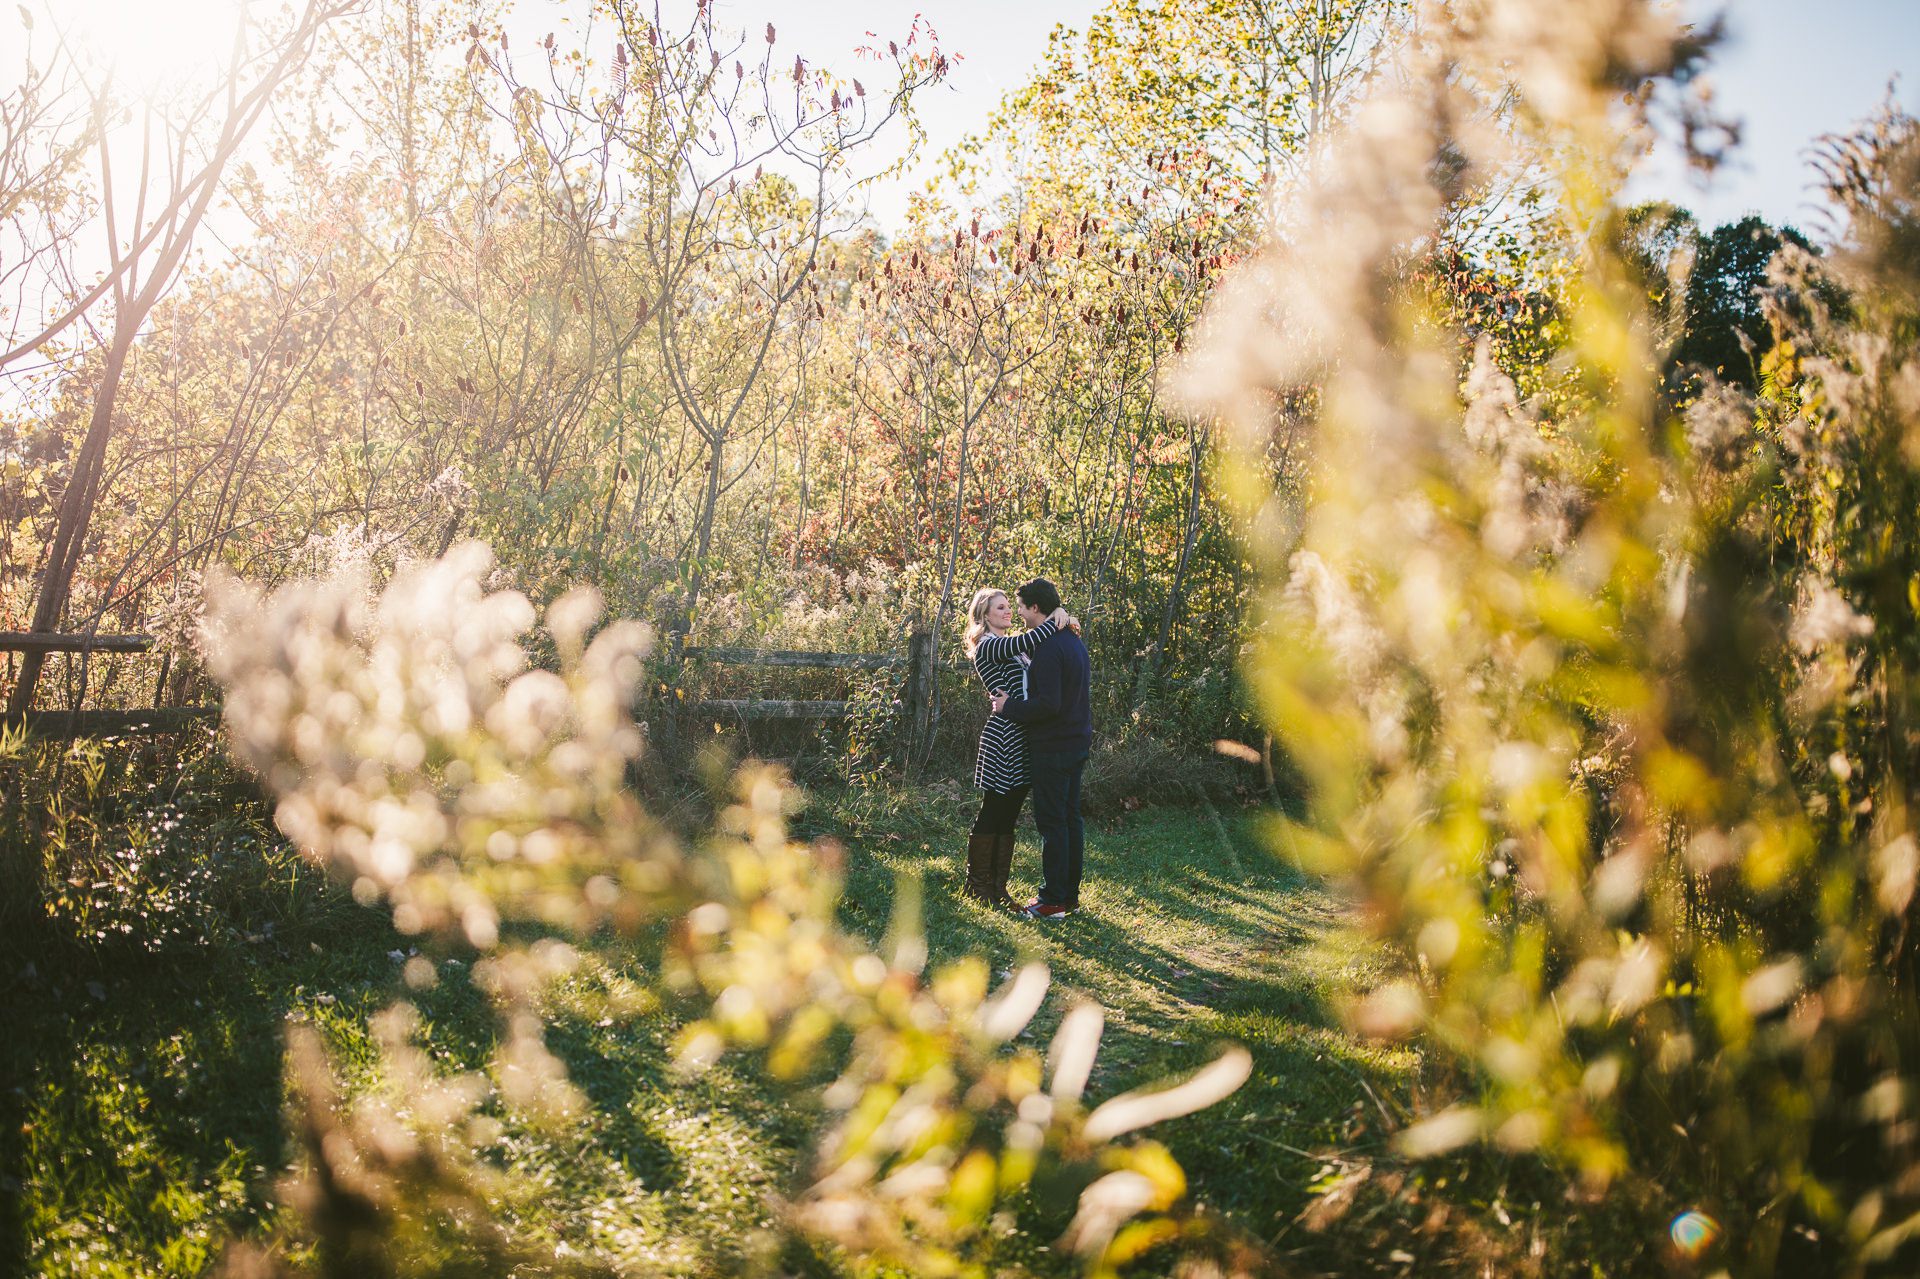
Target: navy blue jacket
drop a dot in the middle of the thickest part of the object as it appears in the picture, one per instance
(1055, 710)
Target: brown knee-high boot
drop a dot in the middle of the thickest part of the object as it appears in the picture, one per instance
(1002, 868)
(980, 853)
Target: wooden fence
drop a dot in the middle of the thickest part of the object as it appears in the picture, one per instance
(916, 698)
(101, 723)
(917, 662)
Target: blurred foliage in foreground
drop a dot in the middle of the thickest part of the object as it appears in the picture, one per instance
(1610, 707)
(415, 753)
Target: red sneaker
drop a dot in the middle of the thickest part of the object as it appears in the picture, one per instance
(1037, 909)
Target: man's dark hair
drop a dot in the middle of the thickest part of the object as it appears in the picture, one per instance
(1040, 594)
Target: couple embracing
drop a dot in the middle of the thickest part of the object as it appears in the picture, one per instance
(1037, 740)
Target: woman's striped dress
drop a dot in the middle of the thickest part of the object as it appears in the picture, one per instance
(999, 661)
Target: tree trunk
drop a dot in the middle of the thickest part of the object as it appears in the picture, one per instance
(1176, 592)
(76, 510)
(703, 532)
(134, 302)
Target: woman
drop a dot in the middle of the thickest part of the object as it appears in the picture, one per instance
(1000, 772)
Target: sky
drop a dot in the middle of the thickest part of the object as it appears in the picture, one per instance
(997, 44)
(1790, 71)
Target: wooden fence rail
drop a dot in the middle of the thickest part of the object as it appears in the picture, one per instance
(791, 657)
(122, 723)
(46, 642)
(916, 702)
(98, 723)
(772, 708)
(745, 708)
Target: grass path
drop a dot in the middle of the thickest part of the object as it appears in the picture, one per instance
(1191, 933)
(142, 1106)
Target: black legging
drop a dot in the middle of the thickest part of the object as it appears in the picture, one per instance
(999, 814)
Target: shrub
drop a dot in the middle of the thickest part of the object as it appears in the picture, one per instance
(116, 848)
(1609, 714)
(416, 756)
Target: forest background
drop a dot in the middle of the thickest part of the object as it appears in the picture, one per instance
(649, 341)
(608, 306)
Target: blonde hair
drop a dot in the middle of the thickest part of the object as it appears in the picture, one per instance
(977, 617)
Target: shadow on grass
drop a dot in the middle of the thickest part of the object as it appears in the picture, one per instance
(143, 1113)
(143, 1123)
(694, 1159)
(144, 1118)
(1191, 933)
(1156, 921)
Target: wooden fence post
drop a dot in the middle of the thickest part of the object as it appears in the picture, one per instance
(74, 722)
(665, 728)
(917, 711)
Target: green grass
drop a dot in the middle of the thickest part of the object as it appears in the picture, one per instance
(143, 1104)
(1191, 933)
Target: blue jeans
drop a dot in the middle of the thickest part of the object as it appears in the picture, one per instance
(1056, 811)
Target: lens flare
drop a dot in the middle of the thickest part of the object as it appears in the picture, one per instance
(152, 48)
(1694, 1232)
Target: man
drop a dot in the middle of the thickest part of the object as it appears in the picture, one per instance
(1059, 724)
